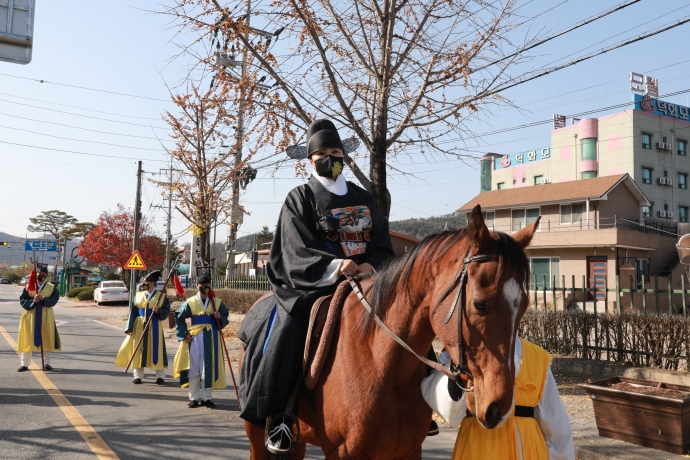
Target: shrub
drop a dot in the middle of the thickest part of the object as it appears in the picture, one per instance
(237, 301)
(85, 294)
(14, 275)
(73, 293)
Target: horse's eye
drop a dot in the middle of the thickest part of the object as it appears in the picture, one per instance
(481, 306)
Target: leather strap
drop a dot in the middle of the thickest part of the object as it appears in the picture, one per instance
(520, 411)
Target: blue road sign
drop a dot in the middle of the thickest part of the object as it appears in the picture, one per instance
(41, 245)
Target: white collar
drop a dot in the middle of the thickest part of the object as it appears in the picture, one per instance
(40, 288)
(336, 187)
(149, 295)
(203, 303)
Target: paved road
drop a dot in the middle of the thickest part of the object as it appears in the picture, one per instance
(134, 421)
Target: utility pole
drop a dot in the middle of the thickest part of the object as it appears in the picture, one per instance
(235, 214)
(168, 240)
(135, 242)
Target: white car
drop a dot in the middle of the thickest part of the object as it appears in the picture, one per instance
(110, 291)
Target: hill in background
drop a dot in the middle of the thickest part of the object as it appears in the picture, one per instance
(420, 228)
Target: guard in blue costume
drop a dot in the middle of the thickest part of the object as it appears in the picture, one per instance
(151, 353)
(199, 360)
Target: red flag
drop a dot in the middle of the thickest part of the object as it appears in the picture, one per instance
(178, 286)
(32, 285)
(211, 294)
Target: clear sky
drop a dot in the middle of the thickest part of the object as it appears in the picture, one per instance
(122, 47)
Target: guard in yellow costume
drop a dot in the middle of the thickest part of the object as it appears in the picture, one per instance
(199, 361)
(38, 309)
(539, 428)
(151, 353)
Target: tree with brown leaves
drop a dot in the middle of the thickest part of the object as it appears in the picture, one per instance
(204, 166)
(403, 75)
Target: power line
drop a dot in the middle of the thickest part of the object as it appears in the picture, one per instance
(559, 34)
(78, 127)
(81, 140)
(78, 153)
(85, 116)
(85, 88)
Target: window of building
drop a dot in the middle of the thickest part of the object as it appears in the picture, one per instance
(501, 185)
(538, 180)
(682, 213)
(646, 141)
(647, 210)
(544, 270)
(524, 179)
(665, 207)
(646, 175)
(682, 180)
(665, 173)
(682, 148)
(489, 219)
(642, 269)
(522, 217)
(514, 182)
(572, 213)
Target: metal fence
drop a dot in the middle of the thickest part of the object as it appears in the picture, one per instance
(645, 326)
(245, 283)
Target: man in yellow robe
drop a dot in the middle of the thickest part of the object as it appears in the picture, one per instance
(199, 360)
(151, 353)
(538, 428)
(37, 324)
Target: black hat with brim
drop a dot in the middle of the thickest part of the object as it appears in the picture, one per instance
(42, 268)
(204, 279)
(322, 134)
(153, 276)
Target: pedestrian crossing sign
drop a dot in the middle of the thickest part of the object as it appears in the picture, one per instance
(135, 262)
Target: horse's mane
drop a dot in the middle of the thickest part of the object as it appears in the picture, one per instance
(393, 277)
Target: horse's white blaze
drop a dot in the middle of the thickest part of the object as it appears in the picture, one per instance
(512, 293)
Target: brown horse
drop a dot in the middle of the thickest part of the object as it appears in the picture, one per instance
(368, 399)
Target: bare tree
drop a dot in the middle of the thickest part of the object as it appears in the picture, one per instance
(203, 164)
(404, 75)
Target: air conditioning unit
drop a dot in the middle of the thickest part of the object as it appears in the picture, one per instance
(663, 146)
(546, 180)
(669, 214)
(661, 181)
(661, 213)
(669, 181)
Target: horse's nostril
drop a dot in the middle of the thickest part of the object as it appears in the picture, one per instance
(493, 414)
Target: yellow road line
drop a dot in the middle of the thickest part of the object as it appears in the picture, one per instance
(94, 441)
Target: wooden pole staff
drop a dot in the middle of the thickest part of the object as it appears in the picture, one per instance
(227, 356)
(148, 323)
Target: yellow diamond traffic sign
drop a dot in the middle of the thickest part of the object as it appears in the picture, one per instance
(135, 262)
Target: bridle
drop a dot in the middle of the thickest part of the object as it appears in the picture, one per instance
(460, 280)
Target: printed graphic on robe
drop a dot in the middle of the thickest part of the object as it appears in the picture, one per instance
(355, 228)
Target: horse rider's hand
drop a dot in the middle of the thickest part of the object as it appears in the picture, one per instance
(38, 298)
(189, 339)
(217, 315)
(348, 267)
(365, 268)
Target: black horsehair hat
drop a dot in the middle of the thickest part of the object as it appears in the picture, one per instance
(41, 268)
(153, 276)
(321, 134)
(203, 275)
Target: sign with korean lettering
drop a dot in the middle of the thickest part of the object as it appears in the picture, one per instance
(663, 108)
(517, 159)
(40, 245)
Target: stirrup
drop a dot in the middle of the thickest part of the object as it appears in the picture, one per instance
(295, 440)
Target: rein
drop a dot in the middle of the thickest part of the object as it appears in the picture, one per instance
(461, 278)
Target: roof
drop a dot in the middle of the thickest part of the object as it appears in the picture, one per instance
(562, 192)
(404, 237)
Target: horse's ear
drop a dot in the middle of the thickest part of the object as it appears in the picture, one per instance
(524, 236)
(476, 228)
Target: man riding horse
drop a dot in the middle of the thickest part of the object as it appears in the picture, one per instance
(315, 246)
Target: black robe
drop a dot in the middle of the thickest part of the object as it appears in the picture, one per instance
(312, 226)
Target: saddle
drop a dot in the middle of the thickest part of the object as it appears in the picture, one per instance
(322, 327)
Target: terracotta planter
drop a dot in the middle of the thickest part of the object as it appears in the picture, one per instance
(646, 420)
